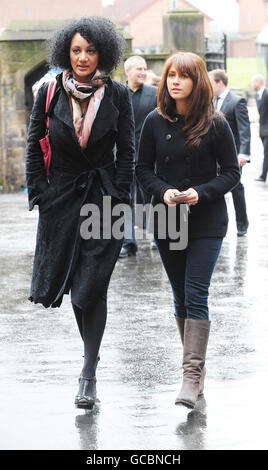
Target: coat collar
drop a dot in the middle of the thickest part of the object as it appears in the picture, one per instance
(106, 118)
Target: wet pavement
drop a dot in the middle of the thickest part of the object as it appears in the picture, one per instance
(139, 371)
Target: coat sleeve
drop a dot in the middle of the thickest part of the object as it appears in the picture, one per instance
(243, 126)
(226, 157)
(36, 180)
(125, 145)
(145, 168)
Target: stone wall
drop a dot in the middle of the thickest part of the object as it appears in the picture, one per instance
(17, 59)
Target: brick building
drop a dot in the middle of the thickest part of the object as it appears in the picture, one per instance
(46, 10)
(143, 20)
(253, 15)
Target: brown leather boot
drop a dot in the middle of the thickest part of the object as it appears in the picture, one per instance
(180, 323)
(196, 333)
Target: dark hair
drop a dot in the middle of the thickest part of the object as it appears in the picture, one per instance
(108, 41)
(201, 111)
(219, 74)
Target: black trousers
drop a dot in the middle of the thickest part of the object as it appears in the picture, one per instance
(265, 158)
(240, 207)
(239, 200)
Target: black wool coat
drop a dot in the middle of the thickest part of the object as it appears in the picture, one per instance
(165, 162)
(77, 177)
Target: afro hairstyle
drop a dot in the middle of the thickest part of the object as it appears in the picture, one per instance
(102, 32)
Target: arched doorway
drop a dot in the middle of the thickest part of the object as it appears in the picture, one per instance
(30, 78)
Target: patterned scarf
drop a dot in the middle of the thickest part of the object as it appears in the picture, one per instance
(78, 92)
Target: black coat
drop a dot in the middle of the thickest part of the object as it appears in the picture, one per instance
(165, 162)
(235, 110)
(76, 177)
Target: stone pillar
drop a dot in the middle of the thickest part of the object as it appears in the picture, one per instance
(183, 30)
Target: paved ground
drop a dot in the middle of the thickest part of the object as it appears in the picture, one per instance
(139, 371)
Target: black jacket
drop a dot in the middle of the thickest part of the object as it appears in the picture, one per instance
(147, 103)
(263, 110)
(165, 162)
(76, 177)
(235, 110)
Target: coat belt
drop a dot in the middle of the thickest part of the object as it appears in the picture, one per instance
(83, 181)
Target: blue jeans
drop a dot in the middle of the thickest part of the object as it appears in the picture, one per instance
(189, 272)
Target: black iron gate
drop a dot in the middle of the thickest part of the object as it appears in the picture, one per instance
(215, 55)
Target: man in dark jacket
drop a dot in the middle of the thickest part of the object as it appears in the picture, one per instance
(234, 108)
(143, 101)
(257, 83)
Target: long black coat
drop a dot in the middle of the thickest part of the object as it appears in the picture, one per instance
(77, 177)
(165, 162)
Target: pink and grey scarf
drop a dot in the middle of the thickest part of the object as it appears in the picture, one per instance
(79, 92)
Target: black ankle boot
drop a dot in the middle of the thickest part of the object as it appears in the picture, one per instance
(87, 394)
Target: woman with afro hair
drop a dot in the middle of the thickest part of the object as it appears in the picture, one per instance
(91, 134)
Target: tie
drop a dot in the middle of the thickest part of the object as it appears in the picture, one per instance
(217, 99)
(258, 102)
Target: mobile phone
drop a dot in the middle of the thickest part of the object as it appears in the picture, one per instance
(178, 196)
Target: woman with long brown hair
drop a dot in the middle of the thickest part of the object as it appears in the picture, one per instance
(187, 156)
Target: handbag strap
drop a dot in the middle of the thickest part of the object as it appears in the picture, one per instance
(50, 93)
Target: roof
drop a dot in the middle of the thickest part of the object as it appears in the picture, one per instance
(124, 11)
(262, 37)
(29, 30)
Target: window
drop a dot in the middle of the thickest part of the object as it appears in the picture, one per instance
(173, 4)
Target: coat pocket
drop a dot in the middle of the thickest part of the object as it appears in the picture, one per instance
(47, 199)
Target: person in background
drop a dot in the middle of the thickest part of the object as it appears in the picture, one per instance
(144, 101)
(89, 114)
(234, 108)
(50, 75)
(257, 83)
(187, 150)
(152, 79)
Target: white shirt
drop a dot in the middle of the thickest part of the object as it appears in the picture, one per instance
(260, 92)
(221, 97)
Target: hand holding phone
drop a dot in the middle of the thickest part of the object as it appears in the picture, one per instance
(178, 196)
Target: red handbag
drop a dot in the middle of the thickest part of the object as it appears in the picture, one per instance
(44, 143)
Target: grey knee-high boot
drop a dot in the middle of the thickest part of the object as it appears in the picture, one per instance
(180, 323)
(196, 333)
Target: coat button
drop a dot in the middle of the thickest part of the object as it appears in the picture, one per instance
(166, 159)
(168, 136)
(187, 159)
